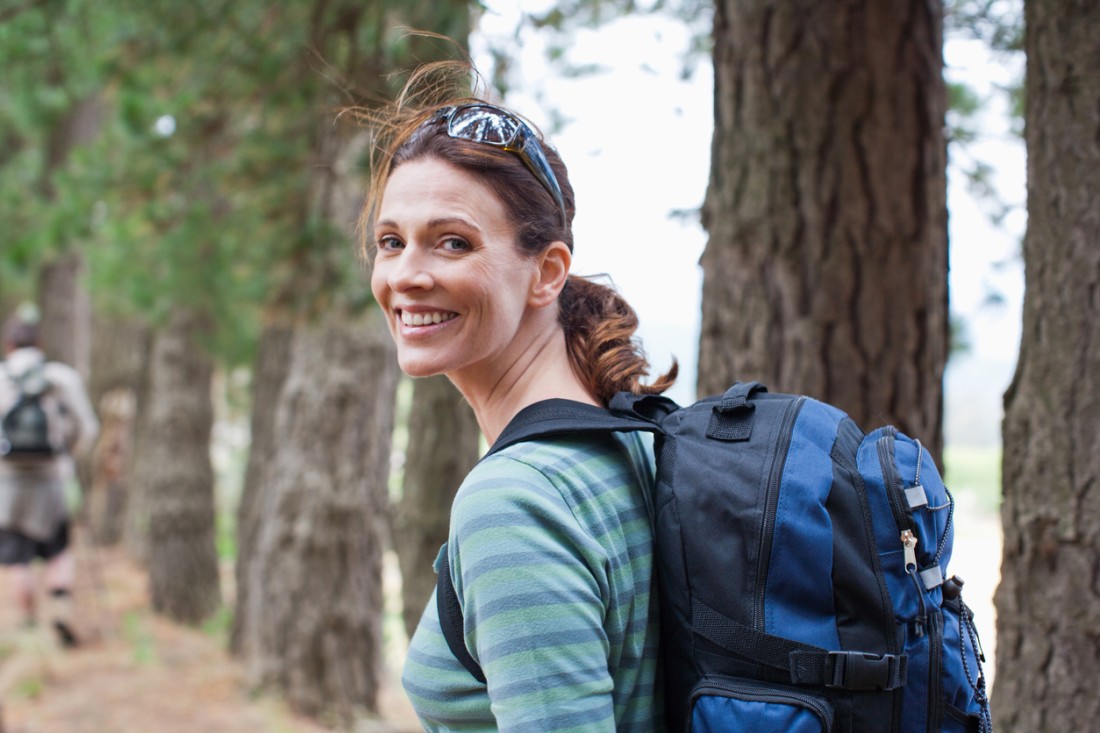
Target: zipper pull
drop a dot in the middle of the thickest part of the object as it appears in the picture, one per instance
(909, 543)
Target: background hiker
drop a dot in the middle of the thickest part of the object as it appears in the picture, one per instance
(34, 519)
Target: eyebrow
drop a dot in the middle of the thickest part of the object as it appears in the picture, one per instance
(433, 223)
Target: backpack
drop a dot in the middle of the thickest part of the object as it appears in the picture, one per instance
(800, 565)
(29, 428)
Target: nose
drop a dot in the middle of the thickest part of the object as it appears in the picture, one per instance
(410, 271)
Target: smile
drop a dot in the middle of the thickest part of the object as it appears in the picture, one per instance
(426, 319)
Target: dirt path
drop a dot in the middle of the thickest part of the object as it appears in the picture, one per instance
(138, 672)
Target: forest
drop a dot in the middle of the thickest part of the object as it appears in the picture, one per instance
(181, 186)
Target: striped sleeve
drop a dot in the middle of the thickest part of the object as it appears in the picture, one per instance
(532, 581)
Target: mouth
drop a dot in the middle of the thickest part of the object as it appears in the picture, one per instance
(424, 318)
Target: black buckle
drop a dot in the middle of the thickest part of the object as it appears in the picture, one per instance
(859, 671)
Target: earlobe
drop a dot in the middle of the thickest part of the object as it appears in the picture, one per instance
(553, 270)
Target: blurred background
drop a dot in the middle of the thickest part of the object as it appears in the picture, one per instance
(180, 196)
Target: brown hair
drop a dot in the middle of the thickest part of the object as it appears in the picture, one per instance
(21, 330)
(598, 323)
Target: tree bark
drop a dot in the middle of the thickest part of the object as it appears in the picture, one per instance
(175, 475)
(269, 375)
(825, 272)
(443, 447)
(66, 325)
(120, 358)
(1048, 602)
(62, 299)
(313, 616)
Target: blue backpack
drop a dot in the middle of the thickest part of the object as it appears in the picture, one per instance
(800, 565)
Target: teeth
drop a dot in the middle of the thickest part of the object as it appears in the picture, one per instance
(425, 319)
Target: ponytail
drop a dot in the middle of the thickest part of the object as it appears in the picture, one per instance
(599, 328)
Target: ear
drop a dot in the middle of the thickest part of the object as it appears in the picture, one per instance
(553, 269)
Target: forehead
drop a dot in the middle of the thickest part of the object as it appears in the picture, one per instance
(429, 187)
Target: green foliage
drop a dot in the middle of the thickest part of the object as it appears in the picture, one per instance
(975, 471)
(963, 103)
(959, 338)
(997, 23)
(134, 631)
(219, 624)
(55, 72)
(561, 21)
(29, 688)
(199, 186)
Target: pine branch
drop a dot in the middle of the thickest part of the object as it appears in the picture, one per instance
(11, 13)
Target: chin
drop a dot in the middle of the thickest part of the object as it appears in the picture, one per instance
(415, 368)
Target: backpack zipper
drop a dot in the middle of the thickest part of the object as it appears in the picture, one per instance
(909, 547)
(935, 662)
(894, 492)
(771, 504)
(907, 528)
(758, 693)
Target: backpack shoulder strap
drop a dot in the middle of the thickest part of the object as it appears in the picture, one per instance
(541, 420)
(565, 417)
(450, 618)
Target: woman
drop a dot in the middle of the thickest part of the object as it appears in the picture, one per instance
(550, 546)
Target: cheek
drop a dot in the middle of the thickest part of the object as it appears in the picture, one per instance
(378, 282)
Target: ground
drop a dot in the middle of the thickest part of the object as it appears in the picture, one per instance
(139, 672)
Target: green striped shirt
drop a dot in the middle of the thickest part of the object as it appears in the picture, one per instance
(551, 555)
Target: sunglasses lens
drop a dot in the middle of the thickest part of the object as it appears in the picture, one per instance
(483, 124)
(486, 124)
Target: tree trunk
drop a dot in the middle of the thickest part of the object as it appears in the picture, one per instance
(313, 617)
(175, 475)
(269, 376)
(66, 312)
(66, 328)
(120, 357)
(1048, 602)
(826, 267)
(443, 447)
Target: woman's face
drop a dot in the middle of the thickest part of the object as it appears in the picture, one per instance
(447, 273)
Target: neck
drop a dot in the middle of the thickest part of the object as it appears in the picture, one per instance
(540, 370)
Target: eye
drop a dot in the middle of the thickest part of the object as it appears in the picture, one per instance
(390, 244)
(455, 244)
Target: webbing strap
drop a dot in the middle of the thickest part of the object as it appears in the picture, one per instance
(450, 618)
(731, 419)
(806, 664)
(566, 417)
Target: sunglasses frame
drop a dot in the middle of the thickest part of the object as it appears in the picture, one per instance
(524, 142)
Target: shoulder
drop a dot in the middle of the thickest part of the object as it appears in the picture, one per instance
(556, 458)
(63, 376)
(557, 463)
(61, 372)
(555, 481)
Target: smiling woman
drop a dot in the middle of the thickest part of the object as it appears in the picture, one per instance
(452, 283)
(550, 547)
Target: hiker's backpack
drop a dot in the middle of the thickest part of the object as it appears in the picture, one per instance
(801, 567)
(29, 428)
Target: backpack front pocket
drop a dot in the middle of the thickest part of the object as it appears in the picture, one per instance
(728, 705)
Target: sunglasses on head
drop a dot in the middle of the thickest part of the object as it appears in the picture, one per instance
(491, 125)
